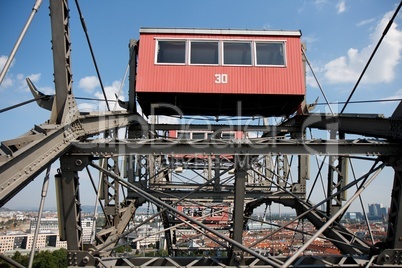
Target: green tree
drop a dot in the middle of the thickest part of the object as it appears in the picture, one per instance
(43, 259)
(47, 259)
(61, 257)
(22, 259)
(123, 248)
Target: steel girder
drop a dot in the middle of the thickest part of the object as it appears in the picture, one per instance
(347, 242)
(251, 147)
(241, 162)
(272, 146)
(61, 46)
(374, 125)
(23, 158)
(390, 251)
(204, 262)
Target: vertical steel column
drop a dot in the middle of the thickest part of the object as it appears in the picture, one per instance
(282, 170)
(217, 177)
(303, 171)
(61, 47)
(169, 233)
(268, 172)
(394, 237)
(69, 210)
(67, 187)
(133, 51)
(303, 174)
(137, 172)
(134, 131)
(111, 192)
(392, 248)
(330, 178)
(342, 171)
(152, 169)
(241, 163)
(333, 205)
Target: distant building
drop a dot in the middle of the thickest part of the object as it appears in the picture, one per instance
(377, 212)
(22, 241)
(48, 237)
(46, 224)
(87, 228)
(146, 236)
(354, 216)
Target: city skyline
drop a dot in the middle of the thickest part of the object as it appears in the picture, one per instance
(337, 50)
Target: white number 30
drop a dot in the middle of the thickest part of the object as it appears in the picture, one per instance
(221, 78)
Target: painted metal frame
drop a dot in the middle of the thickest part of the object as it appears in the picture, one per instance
(66, 137)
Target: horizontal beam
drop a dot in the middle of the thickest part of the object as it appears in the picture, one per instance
(21, 166)
(367, 125)
(273, 129)
(222, 197)
(204, 262)
(258, 146)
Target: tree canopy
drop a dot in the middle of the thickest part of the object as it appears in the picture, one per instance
(42, 259)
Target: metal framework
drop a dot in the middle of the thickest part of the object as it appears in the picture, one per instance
(167, 172)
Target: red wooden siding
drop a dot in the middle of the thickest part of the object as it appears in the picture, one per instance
(247, 90)
(288, 80)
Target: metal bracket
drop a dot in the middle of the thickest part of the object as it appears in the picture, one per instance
(80, 258)
(390, 256)
(74, 163)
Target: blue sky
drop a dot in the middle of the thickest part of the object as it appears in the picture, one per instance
(339, 35)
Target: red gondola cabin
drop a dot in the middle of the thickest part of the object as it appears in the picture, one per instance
(220, 72)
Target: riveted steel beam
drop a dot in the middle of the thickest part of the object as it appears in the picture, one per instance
(26, 161)
(259, 146)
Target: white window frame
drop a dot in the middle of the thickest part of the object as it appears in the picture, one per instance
(283, 42)
(190, 41)
(230, 132)
(237, 41)
(171, 63)
(198, 132)
(221, 52)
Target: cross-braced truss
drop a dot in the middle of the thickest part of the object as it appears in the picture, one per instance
(206, 190)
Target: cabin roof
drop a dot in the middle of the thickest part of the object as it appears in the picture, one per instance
(210, 31)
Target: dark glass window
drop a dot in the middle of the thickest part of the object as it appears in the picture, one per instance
(237, 53)
(228, 135)
(270, 53)
(198, 135)
(204, 52)
(171, 51)
(183, 135)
